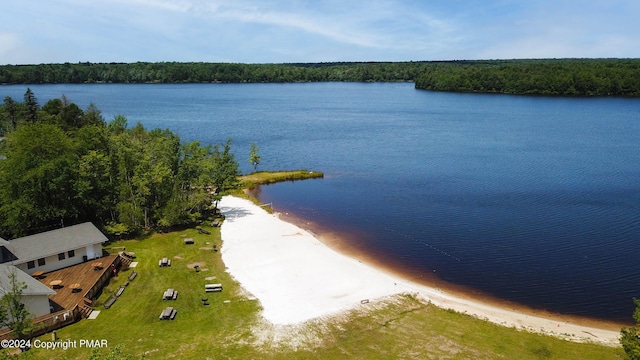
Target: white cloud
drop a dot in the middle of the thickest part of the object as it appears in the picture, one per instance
(179, 6)
(167, 5)
(336, 29)
(8, 43)
(375, 25)
(309, 31)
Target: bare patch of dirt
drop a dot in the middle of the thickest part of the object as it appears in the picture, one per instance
(198, 264)
(319, 332)
(294, 337)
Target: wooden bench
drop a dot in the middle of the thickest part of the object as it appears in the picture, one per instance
(213, 287)
(120, 290)
(132, 276)
(112, 299)
(203, 231)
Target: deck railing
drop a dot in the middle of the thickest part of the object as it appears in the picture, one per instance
(104, 278)
(48, 323)
(56, 320)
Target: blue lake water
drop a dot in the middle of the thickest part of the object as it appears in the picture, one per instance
(534, 200)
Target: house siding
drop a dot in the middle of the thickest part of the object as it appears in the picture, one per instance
(93, 251)
(84, 240)
(38, 305)
(79, 237)
(53, 263)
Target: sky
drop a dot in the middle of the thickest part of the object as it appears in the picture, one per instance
(292, 31)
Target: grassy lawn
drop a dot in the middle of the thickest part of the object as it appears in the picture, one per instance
(133, 323)
(231, 327)
(270, 177)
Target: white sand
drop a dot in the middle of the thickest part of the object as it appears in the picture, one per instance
(298, 278)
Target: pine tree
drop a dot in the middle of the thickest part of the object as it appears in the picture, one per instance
(32, 106)
(630, 337)
(254, 158)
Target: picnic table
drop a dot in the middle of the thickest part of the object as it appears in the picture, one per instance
(168, 313)
(164, 262)
(75, 287)
(213, 287)
(38, 274)
(55, 284)
(170, 294)
(97, 265)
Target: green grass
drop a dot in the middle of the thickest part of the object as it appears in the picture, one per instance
(399, 328)
(270, 177)
(133, 320)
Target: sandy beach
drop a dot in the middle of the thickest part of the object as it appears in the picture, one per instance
(297, 278)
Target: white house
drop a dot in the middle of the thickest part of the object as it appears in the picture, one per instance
(56, 249)
(35, 296)
(48, 251)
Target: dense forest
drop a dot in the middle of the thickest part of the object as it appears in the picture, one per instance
(61, 165)
(585, 77)
(566, 77)
(172, 72)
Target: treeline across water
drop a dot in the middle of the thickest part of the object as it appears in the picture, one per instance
(564, 77)
(173, 72)
(569, 77)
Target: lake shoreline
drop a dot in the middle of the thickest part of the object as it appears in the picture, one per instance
(253, 231)
(533, 195)
(336, 241)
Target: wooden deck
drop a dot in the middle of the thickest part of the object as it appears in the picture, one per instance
(84, 276)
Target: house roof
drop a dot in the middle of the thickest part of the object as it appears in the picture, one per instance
(53, 242)
(34, 287)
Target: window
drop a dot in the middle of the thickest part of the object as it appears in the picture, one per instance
(61, 256)
(31, 264)
(41, 262)
(71, 253)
